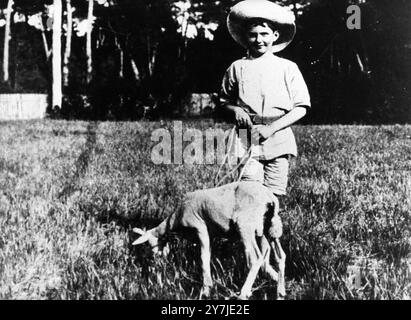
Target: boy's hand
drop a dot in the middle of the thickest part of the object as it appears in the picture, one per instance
(242, 118)
(261, 133)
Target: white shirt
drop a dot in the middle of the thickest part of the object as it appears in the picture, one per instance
(268, 86)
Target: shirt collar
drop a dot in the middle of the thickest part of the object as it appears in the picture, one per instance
(265, 56)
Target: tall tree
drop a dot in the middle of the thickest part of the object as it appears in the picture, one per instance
(56, 63)
(7, 41)
(89, 48)
(67, 51)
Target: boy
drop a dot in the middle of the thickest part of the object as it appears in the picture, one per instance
(265, 94)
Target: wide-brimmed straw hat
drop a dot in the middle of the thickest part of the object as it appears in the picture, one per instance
(244, 11)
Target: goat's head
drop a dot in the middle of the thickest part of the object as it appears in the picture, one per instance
(158, 245)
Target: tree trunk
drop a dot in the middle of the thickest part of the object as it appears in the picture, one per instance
(135, 70)
(121, 72)
(56, 62)
(295, 11)
(152, 55)
(67, 51)
(7, 41)
(121, 57)
(89, 49)
(45, 44)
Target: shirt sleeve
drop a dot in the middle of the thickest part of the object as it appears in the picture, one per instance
(298, 88)
(229, 87)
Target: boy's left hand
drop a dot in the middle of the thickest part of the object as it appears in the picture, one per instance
(261, 133)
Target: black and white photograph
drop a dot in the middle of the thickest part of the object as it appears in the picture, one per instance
(225, 152)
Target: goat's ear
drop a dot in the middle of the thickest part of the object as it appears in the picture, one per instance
(139, 231)
(142, 239)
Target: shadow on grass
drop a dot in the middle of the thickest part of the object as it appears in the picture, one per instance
(81, 163)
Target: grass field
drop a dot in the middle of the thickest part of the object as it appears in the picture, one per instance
(70, 192)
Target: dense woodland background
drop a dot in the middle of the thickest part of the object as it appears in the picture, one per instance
(71, 191)
(147, 56)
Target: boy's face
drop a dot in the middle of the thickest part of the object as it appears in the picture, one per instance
(260, 39)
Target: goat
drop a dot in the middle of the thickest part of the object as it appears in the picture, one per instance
(240, 207)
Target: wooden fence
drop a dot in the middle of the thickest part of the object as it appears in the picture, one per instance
(22, 106)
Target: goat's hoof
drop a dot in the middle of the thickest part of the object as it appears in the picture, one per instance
(205, 292)
(244, 296)
(280, 296)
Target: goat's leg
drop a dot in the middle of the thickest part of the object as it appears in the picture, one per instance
(254, 261)
(266, 267)
(204, 240)
(279, 256)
